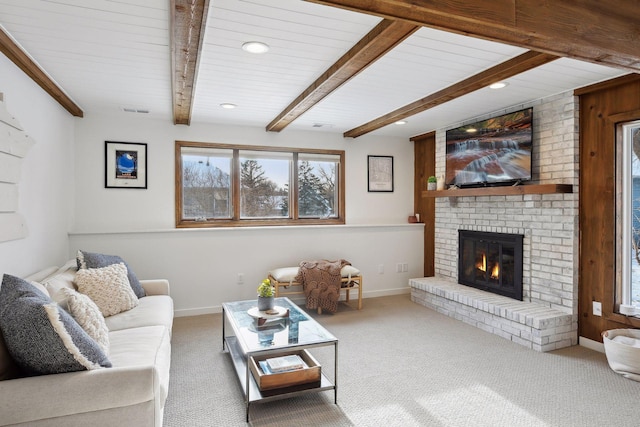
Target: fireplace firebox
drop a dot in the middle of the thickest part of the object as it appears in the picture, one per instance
(491, 262)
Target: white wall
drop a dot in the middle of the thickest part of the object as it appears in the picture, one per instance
(100, 209)
(46, 185)
(203, 265)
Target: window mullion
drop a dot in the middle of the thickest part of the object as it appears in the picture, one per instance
(236, 185)
(294, 191)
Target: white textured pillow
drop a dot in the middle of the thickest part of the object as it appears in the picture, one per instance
(88, 315)
(349, 271)
(108, 287)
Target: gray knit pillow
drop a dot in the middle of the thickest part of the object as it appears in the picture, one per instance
(93, 260)
(8, 367)
(40, 336)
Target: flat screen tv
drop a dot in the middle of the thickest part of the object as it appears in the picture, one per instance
(496, 151)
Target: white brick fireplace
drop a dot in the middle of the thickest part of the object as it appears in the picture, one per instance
(546, 319)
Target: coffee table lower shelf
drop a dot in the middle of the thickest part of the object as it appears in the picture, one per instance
(252, 392)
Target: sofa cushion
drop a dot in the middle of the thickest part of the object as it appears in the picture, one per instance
(39, 276)
(88, 315)
(41, 337)
(60, 279)
(145, 346)
(151, 311)
(74, 398)
(108, 287)
(94, 260)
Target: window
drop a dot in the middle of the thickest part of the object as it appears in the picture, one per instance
(220, 185)
(628, 289)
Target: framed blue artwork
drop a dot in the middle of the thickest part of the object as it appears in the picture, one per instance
(125, 165)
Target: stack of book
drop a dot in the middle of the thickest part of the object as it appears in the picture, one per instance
(276, 365)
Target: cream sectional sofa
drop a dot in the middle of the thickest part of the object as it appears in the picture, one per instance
(132, 392)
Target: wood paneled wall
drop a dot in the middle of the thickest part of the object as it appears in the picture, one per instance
(424, 167)
(14, 145)
(601, 107)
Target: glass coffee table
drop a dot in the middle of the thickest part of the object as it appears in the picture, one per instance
(256, 336)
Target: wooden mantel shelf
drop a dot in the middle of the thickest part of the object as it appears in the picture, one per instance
(502, 191)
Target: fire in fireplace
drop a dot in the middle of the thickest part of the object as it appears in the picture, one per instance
(491, 262)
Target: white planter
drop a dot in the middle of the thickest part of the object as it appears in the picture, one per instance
(431, 185)
(265, 303)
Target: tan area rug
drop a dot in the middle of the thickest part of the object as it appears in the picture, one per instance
(401, 364)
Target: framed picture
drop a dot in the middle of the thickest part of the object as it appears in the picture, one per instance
(380, 173)
(125, 165)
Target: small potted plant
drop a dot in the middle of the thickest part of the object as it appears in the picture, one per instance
(265, 295)
(432, 182)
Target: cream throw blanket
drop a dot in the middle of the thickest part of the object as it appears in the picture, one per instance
(321, 281)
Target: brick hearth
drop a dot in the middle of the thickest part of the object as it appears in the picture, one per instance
(529, 324)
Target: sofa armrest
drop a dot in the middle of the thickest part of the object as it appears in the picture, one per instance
(26, 400)
(155, 286)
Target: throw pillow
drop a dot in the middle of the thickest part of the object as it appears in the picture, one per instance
(41, 337)
(8, 367)
(108, 287)
(94, 260)
(88, 315)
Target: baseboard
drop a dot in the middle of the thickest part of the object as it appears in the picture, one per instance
(197, 311)
(185, 312)
(591, 344)
(386, 292)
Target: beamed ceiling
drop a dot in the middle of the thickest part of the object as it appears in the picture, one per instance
(352, 67)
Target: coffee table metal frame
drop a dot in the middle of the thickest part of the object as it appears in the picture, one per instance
(243, 343)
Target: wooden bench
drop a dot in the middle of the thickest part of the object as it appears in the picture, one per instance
(282, 279)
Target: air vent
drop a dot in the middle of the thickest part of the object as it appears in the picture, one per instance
(135, 110)
(322, 125)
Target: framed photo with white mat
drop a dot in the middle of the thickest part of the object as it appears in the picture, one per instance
(125, 165)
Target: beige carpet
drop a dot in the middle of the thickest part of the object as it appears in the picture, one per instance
(401, 364)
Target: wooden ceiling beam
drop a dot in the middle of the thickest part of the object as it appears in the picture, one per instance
(606, 33)
(381, 39)
(10, 48)
(187, 24)
(509, 68)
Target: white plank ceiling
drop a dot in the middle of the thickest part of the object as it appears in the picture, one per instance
(114, 54)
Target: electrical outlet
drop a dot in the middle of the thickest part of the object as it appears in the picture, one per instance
(381, 269)
(240, 278)
(398, 268)
(597, 308)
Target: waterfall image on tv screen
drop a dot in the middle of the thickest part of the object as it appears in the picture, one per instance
(493, 151)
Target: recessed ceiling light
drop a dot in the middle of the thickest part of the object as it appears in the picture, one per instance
(471, 130)
(498, 85)
(255, 47)
(228, 106)
(401, 122)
